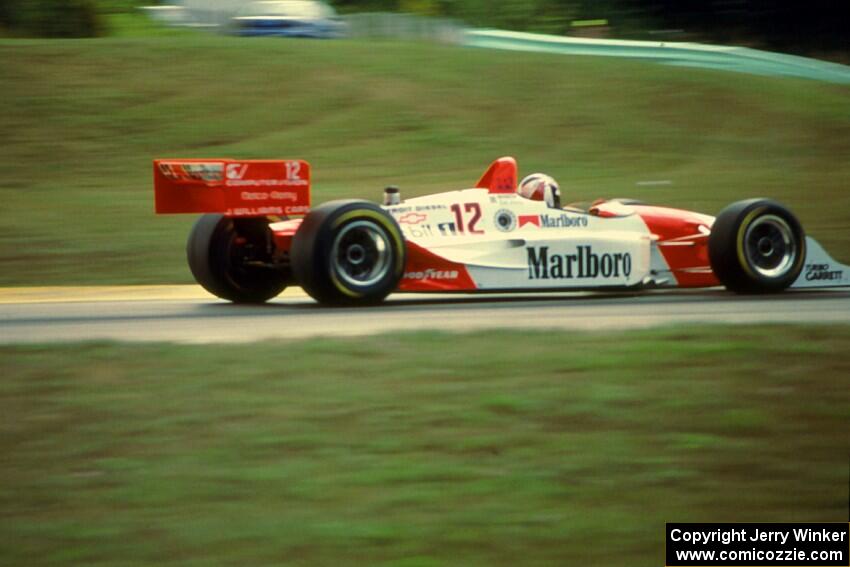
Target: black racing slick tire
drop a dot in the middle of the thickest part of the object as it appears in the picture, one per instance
(226, 257)
(757, 246)
(348, 253)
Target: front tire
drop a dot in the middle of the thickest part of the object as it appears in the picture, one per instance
(348, 253)
(226, 257)
(757, 246)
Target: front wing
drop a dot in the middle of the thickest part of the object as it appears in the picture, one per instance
(820, 269)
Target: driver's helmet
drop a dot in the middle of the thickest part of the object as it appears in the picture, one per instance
(541, 187)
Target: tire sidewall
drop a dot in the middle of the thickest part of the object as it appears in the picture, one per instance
(312, 249)
(209, 251)
(727, 247)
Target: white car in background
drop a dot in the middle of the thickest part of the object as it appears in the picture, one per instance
(288, 18)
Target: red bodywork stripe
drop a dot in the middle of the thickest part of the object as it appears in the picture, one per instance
(682, 243)
(425, 271)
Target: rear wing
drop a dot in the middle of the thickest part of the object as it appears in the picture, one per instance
(237, 188)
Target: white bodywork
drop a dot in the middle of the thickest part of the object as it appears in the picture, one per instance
(509, 242)
(477, 240)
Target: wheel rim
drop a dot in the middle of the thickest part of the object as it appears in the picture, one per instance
(360, 254)
(770, 246)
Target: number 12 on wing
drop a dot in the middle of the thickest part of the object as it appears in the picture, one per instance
(472, 211)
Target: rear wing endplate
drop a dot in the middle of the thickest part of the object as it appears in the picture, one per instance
(238, 188)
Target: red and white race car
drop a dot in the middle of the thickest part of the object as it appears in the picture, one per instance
(260, 235)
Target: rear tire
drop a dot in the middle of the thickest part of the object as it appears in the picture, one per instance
(217, 251)
(348, 253)
(757, 246)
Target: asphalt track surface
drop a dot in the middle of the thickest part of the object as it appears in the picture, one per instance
(187, 315)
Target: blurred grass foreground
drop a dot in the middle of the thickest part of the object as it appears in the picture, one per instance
(83, 119)
(514, 449)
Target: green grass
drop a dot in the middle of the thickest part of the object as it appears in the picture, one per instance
(531, 449)
(133, 23)
(82, 120)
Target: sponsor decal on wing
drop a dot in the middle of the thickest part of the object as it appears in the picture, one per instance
(822, 272)
(264, 174)
(197, 171)
(821, 269)
(257, 211)
(235, 188)
(236, 170)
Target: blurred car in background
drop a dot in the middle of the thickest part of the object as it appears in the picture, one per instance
(288, 18)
